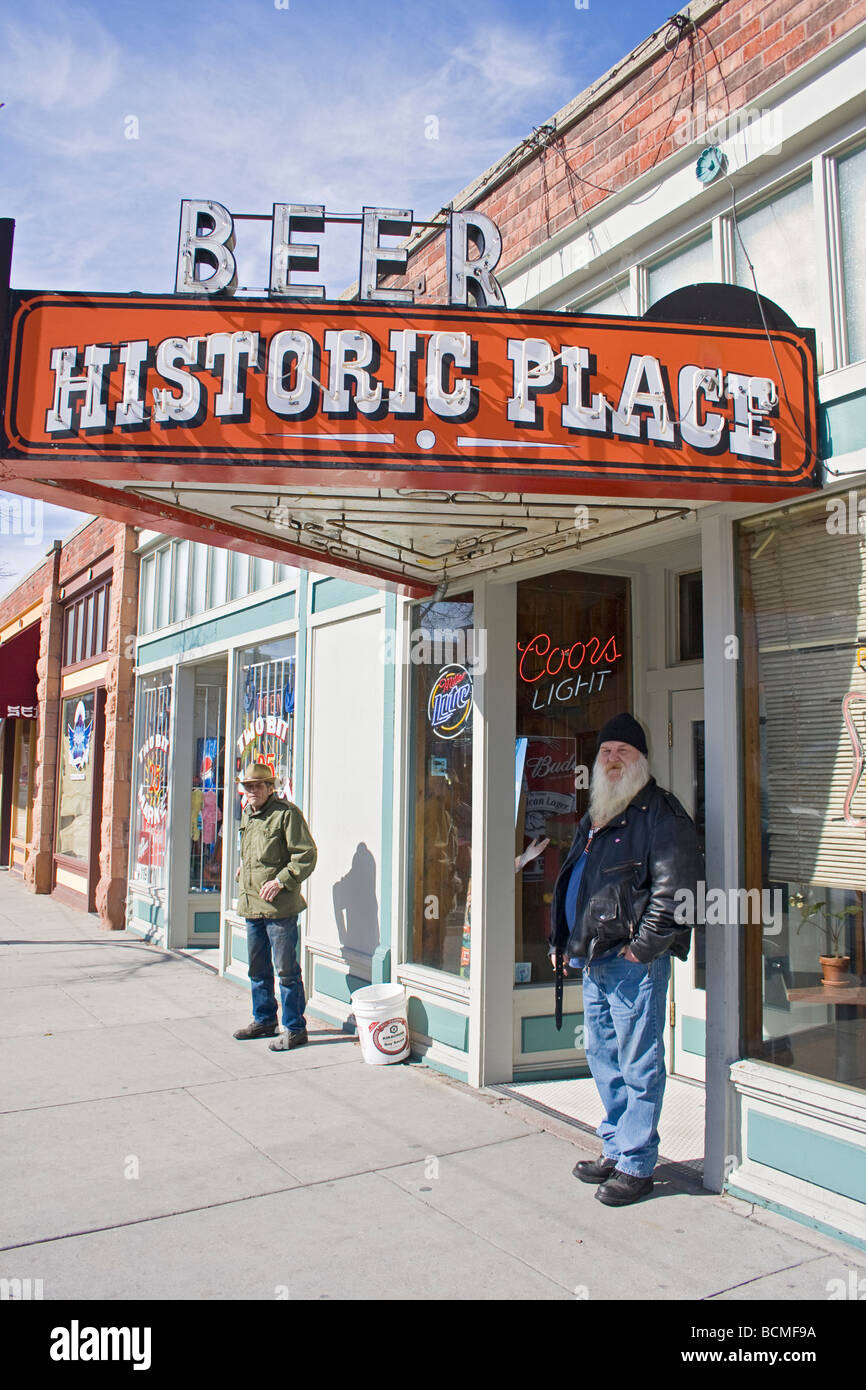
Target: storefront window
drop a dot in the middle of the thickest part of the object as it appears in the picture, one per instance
(264, 731)
(573, 674)
(25, 748)
(691, 265)
(852, 212)
(790, 281)
(440, 871)
(205, 854)
(77, 730)
(152, 762)
(198, 581)
(616, 299)
(804, 704)
(219, 569)
(180, 582)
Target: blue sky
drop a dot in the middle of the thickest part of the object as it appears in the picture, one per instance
(252, 102)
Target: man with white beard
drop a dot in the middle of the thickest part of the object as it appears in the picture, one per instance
(613, 917)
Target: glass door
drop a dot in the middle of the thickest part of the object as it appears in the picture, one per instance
(688, 1011)
(573, 668)
(207, 804)
(22, 790)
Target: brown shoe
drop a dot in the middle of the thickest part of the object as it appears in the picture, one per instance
(256, 1030)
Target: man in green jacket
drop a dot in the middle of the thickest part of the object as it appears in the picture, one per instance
(277, 854)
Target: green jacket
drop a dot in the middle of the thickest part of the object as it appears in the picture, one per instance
(275, 843)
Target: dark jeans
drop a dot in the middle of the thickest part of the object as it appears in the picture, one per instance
(273, 941)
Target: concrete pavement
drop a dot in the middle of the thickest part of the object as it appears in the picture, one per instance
(147, 1155)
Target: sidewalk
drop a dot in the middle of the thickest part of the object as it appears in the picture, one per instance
(147, 1155)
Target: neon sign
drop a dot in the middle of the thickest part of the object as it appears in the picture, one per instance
(450, 701)
(541, 647)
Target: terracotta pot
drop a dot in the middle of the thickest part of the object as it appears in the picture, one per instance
(834, 969)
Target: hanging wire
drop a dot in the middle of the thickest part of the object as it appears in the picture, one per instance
(812, 452)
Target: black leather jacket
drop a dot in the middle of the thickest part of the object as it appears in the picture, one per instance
(634, 867)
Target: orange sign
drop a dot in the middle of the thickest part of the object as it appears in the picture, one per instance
(137, 387)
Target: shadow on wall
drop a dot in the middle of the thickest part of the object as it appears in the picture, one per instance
(356, 909)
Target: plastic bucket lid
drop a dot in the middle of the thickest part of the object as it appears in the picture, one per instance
(378, 997)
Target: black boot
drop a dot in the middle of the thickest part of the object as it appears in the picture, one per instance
(621, 1189)
(594, 1170)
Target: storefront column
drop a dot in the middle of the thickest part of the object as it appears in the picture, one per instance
(111, 891)
(39, 867)
(380, 964)
(179, 806)
(722, 742)
(302, 601)
(491, 1046)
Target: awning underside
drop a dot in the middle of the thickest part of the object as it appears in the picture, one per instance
(428, 537)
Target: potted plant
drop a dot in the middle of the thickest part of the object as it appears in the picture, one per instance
(834, 967)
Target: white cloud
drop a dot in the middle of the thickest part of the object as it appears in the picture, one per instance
(27, 529)
(331, 115)
(56, 60)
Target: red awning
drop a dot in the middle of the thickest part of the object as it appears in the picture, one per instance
(18, 657)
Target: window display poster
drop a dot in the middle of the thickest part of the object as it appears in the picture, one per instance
(549, 768)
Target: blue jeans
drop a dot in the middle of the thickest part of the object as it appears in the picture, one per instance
(624, 1013)
(280, 936)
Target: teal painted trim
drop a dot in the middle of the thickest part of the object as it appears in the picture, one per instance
(381, 962)
(240, 950)
(811, 1222)
(693, 1035)
(325, 1015)
(444, 1067)
(538, 1034)
(148, 912)
(334, 984)
(834, 1164)
(840, 425)
(242, 623)
(333, 593)
(206, 922)
(301, 689)
(567, 1071)
(133, 931)
(442, 1025)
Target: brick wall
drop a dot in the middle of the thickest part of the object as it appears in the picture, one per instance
(96, 542)
(739, 51)
(28, 592)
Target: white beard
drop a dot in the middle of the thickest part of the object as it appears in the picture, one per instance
(609, 796)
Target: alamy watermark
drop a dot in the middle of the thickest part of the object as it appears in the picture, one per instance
(20, 1290)
(852, 1288)
(762, 129)
(846, 516)
(729, 907)
(22, 516)
(438, 647)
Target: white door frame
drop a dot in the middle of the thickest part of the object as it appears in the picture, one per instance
(686, 999)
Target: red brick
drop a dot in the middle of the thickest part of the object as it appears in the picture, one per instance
(785, 45)
(759, 85)
(736, 39)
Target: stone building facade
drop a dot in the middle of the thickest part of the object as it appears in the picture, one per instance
(66, 792)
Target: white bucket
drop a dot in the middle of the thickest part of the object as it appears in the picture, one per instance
(380, 1013)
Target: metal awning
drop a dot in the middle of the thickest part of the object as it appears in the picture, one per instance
(415, 541)
(18, 657)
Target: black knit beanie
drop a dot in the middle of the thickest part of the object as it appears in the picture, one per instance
(623, 729)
